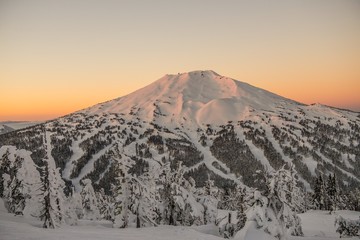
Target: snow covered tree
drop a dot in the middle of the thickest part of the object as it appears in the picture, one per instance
(19, 179)
(331, 193)
(70, 206)
(285, 198)
(233, 201)
(14, 194)
(179, 205)
(207, 197)
(77, 205)
(121, 196)
(52, 209)
(354, 200)
(274, 212)
(142, 202)
(347, 227)
(319, 193)
(13, 186)
(89, 201)
(4, 169)
(105, 205)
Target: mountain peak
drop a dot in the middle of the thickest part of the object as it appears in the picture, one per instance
(199, 97)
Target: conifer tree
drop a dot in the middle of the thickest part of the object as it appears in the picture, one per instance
(331, 193)
(207, 197)
(89, 201)
(121, 196)
(274, 213)
(319, 193)
(4, 169)
(142, 199)
(51, 212)
(105, 206)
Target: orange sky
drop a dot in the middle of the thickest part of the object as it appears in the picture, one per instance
(61, 56)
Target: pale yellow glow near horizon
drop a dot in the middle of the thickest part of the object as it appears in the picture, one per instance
(57, 57)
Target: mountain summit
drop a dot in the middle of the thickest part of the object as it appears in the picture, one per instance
(202, 97)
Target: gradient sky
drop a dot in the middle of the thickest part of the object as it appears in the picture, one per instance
(57, 57)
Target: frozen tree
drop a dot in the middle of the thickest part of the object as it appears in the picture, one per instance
(233, 201)
(4, 169)
(207, 197)
(14, 194)
(89, 201)
(52, 204)
(285, 198)
(77, 205)
(178, 202)
(105, 205)
(19, 180)
(331, 193)
(166, 196)
(319, 193)
(274, 212)
(12, 186)
(120, 192)
(142, 200)
(70, 206)
(347, 227)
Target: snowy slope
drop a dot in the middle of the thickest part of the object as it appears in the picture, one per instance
(200, 97)
(317, 225)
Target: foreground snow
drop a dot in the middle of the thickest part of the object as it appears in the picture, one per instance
(317, 225)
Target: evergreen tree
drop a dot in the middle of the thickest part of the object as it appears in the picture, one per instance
(4, 169)
(180, 206)
(142, 199)
(331, 193)
(121, 195)
(77, 206)
(51, 212)
(285, 198)
(70, 206)
(89, 201)
(207, 197)
(319, 193)
(274, 212)
(19, 184)
(105, 205)
(14, 194)
(233, 201)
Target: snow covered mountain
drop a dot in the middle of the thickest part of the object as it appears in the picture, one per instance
(218, 128)
(193, 99)
(215, 125)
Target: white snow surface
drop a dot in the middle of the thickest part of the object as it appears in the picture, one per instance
(199, 97)
(317, 225)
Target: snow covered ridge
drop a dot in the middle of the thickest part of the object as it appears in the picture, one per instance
(181, 150)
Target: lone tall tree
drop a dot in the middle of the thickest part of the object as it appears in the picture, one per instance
(52, 203)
